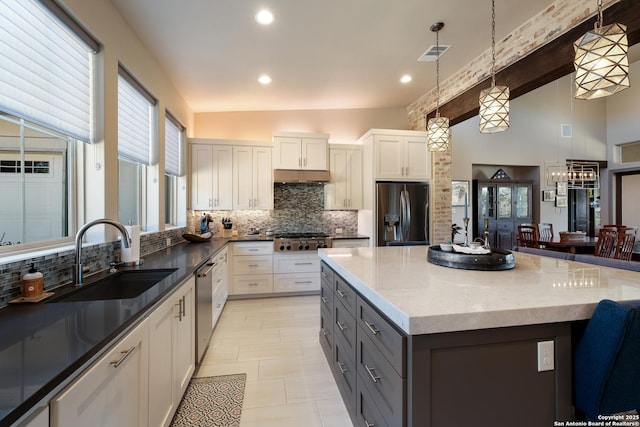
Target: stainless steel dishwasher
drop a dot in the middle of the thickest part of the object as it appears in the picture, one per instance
(204, 301)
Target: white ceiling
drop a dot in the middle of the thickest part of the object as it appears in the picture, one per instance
(321, 54)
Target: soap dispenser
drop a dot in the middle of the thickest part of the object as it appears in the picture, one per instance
(32, 283)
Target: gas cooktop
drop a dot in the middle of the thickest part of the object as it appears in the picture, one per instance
(291, 242)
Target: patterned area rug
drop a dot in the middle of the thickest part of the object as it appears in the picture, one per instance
(212, 402)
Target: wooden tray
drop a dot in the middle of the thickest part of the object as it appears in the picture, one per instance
(39, 298)
(497, 260)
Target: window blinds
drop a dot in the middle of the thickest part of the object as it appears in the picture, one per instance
(135, 118)
(45, 70)
(172, 146)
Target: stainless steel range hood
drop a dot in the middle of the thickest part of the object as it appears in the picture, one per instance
(287, 176)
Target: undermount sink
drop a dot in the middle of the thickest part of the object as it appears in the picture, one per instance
(120, 285)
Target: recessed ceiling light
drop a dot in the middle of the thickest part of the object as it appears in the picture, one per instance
(405, 79)
(264, 79)
(264, 17)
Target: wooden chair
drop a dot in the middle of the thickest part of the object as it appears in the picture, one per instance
(546, 232)
(607, 243)
(528, 235)
(626, 242)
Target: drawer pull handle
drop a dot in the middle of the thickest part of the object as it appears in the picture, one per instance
(252, 265)
(324, 274)
(324, 300)
(303, 263)
(372, 374)
(372, 328)
(342, 294)
(341, 326)
(367, 424)
(123, 355)
(253, 250)
(343, 370)
(303, 283)
(324, 332)
(253, 284)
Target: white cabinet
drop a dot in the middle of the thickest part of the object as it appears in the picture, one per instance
(300, 151)
(113, 391)
(350, 243)
(399, 155)
(252, 178)
(172, 353)
(296, 272)
(345, 189)
(211, 177)
(220, 286)
(252, 268)
(39, 419)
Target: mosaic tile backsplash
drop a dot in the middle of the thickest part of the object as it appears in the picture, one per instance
(297, 207)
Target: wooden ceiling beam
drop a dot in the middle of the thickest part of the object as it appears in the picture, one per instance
(544, 65)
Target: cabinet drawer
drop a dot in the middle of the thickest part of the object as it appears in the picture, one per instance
(326, 274)
(296, 282)
(387, 388)
(345, 326)
(366, 409)
(326, 297)
(252, 284)
(253, 264)
(344, 371)
(252, 248)
(308, 263)
(326, 334)
(391, 343)
(345, 294)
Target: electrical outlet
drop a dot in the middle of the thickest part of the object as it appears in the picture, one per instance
(545, 356)
(168, 241)
(338, 230)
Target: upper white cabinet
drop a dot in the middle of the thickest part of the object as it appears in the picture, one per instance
(301, 151)
(344, 191)
(211, 177)
(252, 178)
(399, 155)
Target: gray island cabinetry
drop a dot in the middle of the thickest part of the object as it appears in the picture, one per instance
(414, 344)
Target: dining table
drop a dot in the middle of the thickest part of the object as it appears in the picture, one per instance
(586, 245)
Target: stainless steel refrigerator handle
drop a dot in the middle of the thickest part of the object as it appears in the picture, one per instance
(405, 218)
(426, 221)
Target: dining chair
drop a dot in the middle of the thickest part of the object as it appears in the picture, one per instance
(607, 243)
(626, 242)
(546, 231)
(528, 235)
(606, 370)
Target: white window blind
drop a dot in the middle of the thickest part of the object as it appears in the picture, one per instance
(45, 69)
(134, 122)
(172, 146)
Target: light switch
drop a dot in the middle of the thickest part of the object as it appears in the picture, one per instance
(545, 356)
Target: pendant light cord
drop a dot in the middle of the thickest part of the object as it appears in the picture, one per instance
(438, 74)
(493, 43)
(599, 20)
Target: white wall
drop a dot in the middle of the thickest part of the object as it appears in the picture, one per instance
(534, 138)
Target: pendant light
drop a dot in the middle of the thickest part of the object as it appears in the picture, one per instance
(601, 61)
(494, 101)
(438, 132)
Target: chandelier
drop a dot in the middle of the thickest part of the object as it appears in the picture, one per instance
(578, 174)
(438, 132)
(601, 61)
(494, 101)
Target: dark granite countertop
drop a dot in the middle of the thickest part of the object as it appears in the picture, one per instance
(43, 344)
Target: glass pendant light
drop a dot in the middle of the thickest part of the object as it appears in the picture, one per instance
(601, 61)
(438, 132)
(494, 101)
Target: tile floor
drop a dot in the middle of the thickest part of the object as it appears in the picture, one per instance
(275, 342)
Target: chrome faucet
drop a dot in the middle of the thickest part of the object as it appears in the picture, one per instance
(77, 266)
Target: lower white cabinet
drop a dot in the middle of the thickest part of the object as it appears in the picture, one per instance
(172, 356)
(296, 272)
(142, 378)
(220, 289)
(350, 243)
(252, 268)
(113, 391)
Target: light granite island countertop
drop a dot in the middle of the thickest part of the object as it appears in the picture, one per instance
(463, 347)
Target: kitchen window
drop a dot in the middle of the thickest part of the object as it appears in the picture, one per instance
(46, 117)
(137, 164)
(175, 181)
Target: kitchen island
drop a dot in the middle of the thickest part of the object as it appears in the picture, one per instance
(415, 344)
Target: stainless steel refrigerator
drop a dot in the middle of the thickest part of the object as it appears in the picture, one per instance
(402, 212)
